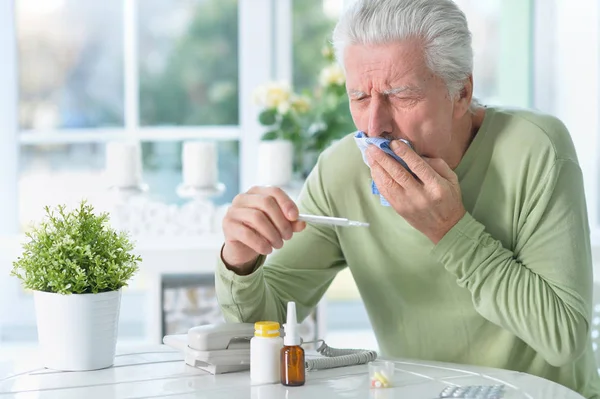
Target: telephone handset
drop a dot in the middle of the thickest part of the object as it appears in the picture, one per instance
(216, 348)
(225, 347)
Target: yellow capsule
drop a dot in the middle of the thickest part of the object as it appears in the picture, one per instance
(381, 378)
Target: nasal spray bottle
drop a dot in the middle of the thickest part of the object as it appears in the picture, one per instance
(292, 354)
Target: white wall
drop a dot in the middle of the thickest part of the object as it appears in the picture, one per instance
(575, 80)
(566, 84)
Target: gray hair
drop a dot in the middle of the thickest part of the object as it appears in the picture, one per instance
(439, 24)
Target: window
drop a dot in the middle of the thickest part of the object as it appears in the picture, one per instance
(188, 52)
(70, 65)
(157, 72)
(313, 22)
(502, 35)
(73, 71)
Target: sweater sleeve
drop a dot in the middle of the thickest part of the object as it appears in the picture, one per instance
(541, 292)
(301, 271)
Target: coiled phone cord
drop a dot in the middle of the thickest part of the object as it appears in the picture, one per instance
(338, 357)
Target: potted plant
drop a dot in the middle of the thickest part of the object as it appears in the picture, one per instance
(76, 265)
(280, 150)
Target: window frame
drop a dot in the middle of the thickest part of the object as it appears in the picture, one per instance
(8, 121)
(260, 54)
(258, 45)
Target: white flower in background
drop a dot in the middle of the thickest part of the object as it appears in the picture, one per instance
(284, 107)
(301, 104)
(332, 75)
(259, 96)
(273, 94)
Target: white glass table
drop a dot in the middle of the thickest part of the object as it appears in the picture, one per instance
(159, 372)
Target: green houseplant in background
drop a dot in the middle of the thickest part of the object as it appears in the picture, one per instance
(330, 117)
(282, 114)
(76, 265)
(301, 126)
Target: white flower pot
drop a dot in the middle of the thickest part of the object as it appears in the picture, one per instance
(275, 162)
(77, 332)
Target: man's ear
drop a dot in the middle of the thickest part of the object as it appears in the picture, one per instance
(464, 98)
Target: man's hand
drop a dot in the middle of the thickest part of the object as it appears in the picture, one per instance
(258, 221)
(434, 204)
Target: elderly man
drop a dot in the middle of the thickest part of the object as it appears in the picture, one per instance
(479, 255)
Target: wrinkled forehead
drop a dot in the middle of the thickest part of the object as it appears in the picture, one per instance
(399, 65)
(409, 51)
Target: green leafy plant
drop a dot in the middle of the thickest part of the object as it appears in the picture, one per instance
(311, 121)
(75, 252)
(331, 118)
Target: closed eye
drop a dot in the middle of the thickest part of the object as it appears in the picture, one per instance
(406, 94)
(406, 101)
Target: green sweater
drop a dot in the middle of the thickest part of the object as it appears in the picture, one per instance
(509, 286)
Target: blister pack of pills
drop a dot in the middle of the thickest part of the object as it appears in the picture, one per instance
(474, 392)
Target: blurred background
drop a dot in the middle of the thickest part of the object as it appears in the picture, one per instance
(162, 72)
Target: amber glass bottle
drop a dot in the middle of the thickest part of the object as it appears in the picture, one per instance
(292, 355)
(292, 366)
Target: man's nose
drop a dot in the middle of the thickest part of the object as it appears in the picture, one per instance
(380, 118)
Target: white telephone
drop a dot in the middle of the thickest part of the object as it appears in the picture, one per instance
(225, 347)
(216, 348)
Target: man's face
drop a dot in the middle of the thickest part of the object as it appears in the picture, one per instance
(394, 95)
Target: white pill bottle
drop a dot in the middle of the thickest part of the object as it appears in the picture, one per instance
(265, 349)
